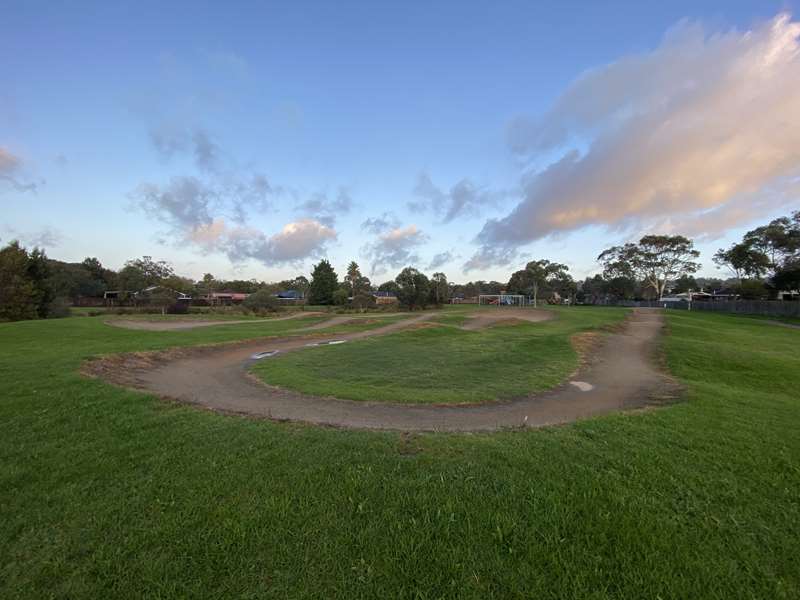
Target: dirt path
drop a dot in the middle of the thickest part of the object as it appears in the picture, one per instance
(623, 375)
(144, 325)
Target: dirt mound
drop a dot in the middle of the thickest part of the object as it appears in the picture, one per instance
(506, 316)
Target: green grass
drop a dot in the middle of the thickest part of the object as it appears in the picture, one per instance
(442, 364)
(106, 493)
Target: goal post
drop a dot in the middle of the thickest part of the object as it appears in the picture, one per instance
(502, 300)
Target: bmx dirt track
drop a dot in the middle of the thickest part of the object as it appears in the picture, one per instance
(145, 325)
(621, 374)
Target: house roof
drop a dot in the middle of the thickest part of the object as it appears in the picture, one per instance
(152, 288)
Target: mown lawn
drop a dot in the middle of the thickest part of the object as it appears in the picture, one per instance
(106, 493)
(443, 364)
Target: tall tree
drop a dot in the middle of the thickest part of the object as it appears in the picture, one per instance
(143, 272)
(388, 286)
(440, 290)
(300, 283)
(324, 283)
(655, 260)
(355, 280)
(536, 276)
(743, 260)
(413, 288)
(19, 298)
(39, 272)
(776, 241)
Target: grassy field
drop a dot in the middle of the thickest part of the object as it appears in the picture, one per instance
(443, 364)
(107, 493)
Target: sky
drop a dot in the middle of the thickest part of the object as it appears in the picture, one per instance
(249, 140)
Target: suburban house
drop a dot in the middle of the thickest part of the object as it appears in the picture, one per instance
(159, 290)
(384, 297)
(289, 296)
(143, 296)
(224, 298)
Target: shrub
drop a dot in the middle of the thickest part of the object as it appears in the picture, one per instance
(178, 308)
(363, 301)
(58, 308)
(340, 297)
(261, 301)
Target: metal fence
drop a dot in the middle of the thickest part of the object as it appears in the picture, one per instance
(772, 308)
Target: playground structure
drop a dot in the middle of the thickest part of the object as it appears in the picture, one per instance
(502, 300)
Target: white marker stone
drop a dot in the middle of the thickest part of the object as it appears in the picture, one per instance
(582, 386)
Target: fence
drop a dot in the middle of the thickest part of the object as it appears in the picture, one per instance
(772, 308)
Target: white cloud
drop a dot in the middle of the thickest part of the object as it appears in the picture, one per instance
(47, 237)
(394, 248)
(10, 168)
(464, 199)
(170, 140)
(295, 242)
(440, 259)
(324, 209)
(702, 133)
(377, 225)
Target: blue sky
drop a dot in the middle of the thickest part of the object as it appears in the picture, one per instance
(248, 140)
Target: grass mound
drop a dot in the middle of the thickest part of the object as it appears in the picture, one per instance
(443, 364)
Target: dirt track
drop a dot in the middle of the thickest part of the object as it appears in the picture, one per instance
(145, 325)
(623, 375)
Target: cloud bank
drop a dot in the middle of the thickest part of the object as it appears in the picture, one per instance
(193, 210)
(704, 131)
(211, 210)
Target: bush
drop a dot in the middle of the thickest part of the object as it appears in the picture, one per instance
(261, 301)
(363, 301)
(58, 308)
(340, 297)
(178, 308)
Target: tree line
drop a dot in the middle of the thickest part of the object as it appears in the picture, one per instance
(764, 262)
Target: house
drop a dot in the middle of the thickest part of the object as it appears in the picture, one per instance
(116, 297)
(224, 298)
(384, 297)
(289, 296)
(160, 290)
(143, 296)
